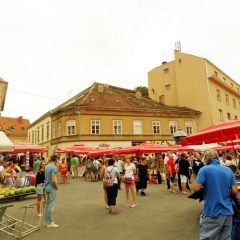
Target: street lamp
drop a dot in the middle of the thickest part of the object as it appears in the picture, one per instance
(179, 135)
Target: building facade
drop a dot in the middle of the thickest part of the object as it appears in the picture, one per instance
(3, 93)
(39, 132)
(15, 128)
(105, 116)
(196, 83)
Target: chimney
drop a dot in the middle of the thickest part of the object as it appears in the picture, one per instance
(20, 119)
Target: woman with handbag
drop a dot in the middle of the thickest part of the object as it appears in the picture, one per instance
(128, 179)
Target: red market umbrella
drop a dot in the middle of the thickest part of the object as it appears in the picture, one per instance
(127, 150)
(234, 142)
(221, 132)
(99, 152)
(60, 152)
(29, 147)
(226, 148)
(79, 148)
(179, 148)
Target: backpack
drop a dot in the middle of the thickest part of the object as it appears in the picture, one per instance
(108, 181)
(89, 164)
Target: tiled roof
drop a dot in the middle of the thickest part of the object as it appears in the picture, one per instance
(14, 126)
(107, 96)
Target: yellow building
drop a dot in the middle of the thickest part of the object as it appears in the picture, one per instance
(196, 83)
(3, 92)
(107, 116)
(39, 132)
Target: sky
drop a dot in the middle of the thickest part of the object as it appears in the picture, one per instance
(50, 50)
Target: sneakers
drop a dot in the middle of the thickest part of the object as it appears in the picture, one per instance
(52, 225)
(45, 224)
(39, 215)
(113, 213)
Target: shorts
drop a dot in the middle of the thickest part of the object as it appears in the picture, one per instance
(88, 171)
(64, 172)
(40, 189)
(184, 179)
(172, 179)
(129, 184)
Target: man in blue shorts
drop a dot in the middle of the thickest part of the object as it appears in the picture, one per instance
(219, 184)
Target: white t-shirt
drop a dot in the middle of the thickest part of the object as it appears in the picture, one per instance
(118, 164)
(129, 170)
(166, 160)
(96, 163)
(1, 170)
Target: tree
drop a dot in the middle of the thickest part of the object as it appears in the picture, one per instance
(143, 90)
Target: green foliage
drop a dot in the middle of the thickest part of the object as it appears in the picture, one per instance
(143, 90)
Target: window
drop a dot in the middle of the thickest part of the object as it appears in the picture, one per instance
(35, 139)
(167, 87)
(231, 85)
(172, 127)
(42, 133)
(29, 137)
(162, 99)
(179, 62)
(117, 126)
(220, 114)
(238, 89)
(228, 116)
(71, 127)
(59, 129)
(224, 79)
(32, 136)
(226, 99)
(216, 73)
(188, 126)
(236, 118)
(38, 136)
(95, 126)
(137, 127)
(234, 103)
(166, 70)
(218, 95)
(54, 131)
(47, 131)
(156, 127)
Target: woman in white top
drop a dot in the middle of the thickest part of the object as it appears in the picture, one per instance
(130, 171)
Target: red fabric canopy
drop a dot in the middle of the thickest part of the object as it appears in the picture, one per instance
(225, 148)
(29, 147)
(221, 132)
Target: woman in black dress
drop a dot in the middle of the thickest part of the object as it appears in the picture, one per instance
(143, 175)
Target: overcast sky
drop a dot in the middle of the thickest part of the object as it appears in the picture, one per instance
(56, 49)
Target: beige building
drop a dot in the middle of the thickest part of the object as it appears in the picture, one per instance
(107, 116)
(3, 93)
(39, 132)
(196, 83)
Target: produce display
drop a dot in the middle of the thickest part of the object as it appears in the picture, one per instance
(9, 192)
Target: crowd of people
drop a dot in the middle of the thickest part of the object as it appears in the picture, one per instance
(134, 173)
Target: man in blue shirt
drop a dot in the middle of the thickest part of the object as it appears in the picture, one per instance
(219, 184)
(51, 189)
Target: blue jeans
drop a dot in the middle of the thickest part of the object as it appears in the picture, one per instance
(51, 196)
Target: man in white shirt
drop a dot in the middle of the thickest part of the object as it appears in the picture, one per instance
(119, 164)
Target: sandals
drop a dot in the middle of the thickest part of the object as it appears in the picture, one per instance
(186, 193)
(113, 213)
(134, 205)
(174, 191)
(127, 204)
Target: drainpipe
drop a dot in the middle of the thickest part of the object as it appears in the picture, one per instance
(209, 96)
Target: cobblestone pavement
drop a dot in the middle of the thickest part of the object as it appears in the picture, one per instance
(80, 211)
